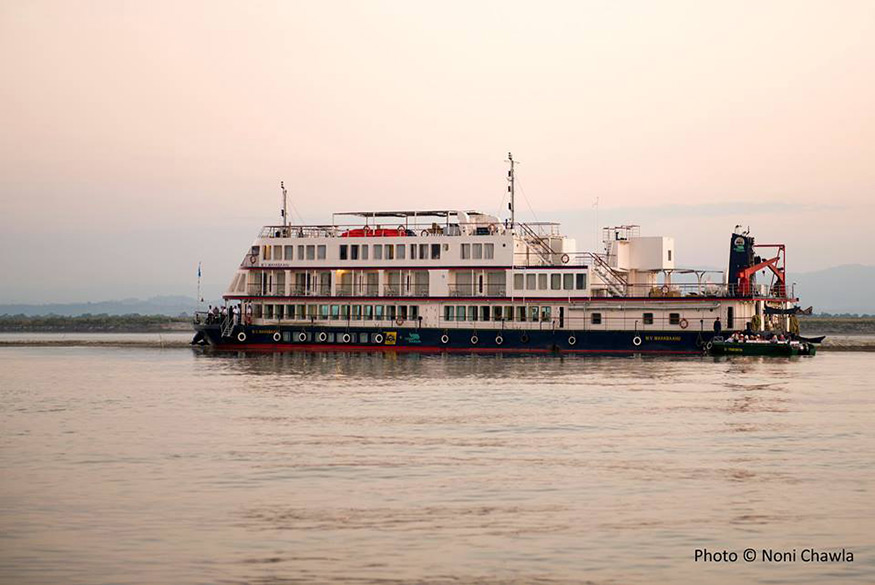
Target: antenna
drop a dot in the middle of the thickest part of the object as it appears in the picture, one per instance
(511, 189)
(285, 212)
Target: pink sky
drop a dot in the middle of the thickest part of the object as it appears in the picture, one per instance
(140, 137)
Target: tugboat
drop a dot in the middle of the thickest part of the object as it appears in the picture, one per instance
(452, 280)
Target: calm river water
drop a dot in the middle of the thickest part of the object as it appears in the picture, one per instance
(167, 466)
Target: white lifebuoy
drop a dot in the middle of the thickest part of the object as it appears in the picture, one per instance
(323, 336)
(572, 340)
(636, 341)
(302, 336)
(474, 340)
(345, 338)
(378, 338)
(277, 336)
(241, 337)
(708, 346)
(445, 339)
(499, 340)
(683, 323)
(565, 258)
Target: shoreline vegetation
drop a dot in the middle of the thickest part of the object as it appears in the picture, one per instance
(844, 333)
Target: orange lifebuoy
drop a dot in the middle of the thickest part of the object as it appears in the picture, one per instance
(683, 323)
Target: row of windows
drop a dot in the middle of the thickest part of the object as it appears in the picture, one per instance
(338, 312)
(495, 313)
(374, 251)
(557, 281)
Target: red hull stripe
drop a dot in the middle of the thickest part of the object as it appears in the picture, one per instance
(435, 349)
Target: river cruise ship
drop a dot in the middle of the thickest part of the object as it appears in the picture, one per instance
(466, 281)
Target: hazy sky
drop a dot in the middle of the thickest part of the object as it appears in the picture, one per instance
(137, 138)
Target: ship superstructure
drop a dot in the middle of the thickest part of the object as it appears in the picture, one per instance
(464, 280)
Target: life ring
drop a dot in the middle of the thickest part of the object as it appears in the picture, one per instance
(445, 339)
(572, 340)
(665, 289)
(302, 336)
(323, 336)
(253, 258)
(708, 346)
(423, 233)
(345, 338)
(565, 258)
(499, 340)
(474, 340)
(524, 338)
(277, 336)
(402, 231)
(378, 338)
(684, 323)
(636, 341)
(493, 228)
(399, 321)
(241, 337)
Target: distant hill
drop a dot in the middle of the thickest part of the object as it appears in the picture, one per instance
(164, 305)
(842, 289)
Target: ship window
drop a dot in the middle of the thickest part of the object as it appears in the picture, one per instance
(401, 249)
(496, 313)
(300, 252)
(280, 311)
(533, 313)
(555, 281)
(730, 317)
(484, 313)
(520, 313)
(674, 318)
(363, 337)
(378, 312)
(413, 251)
(323, 311)
(478, 251)
(413, 312)
(320, 252)
(508, 313)
(472, 313)
(669, 255)
(344, 312)
(402, 312)
(545, 313)
(390, 251)
(356, 312)
(378, 251)
(449, 313)
(423, 251)
(489, 251)
(460, 313)
(312, 311)
(391, 312)
(277, 252)
(568, 281)
(580, 283)
(288, 253)
(369, 312)
(435, 251)
(268, 311)
(254, 251)
(364, 251)
(265, 252)
(542, 282)
(311, 252)
(518, 281)
(300, 312)
(530, 281)
(354, 252)
(648, 318)
(596, 318)
(466, 251)
(257, 311)
(344, 254)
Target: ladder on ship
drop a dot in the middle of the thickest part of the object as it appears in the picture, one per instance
(227, 326)
(614, 280)
(537, 243)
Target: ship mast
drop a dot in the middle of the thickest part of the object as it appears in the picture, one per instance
(511, 189)
(285, 211)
